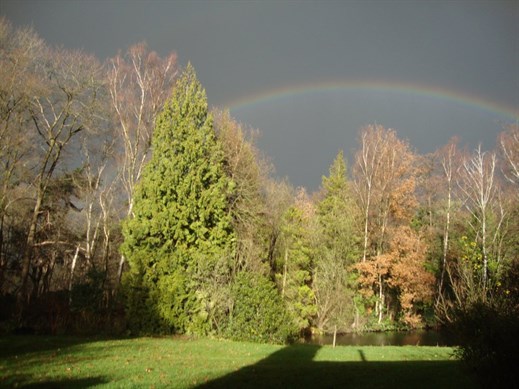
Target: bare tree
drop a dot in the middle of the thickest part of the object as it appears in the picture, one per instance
(249, 171)
(62, 110)
(509, 142)
(368, 163)
(94, 185)
(18, 50)
(478, 184)
(382, 172)
(447, 158)
(383, 178)
(139, 83)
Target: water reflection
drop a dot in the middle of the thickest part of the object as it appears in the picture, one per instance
(409, 338)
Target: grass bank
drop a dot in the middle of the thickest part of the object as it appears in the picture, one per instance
(34, 361)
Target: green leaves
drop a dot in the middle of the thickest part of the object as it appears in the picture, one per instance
(181, 237)
(338, 241)
(258, 313)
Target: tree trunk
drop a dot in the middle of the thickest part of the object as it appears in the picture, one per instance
(334, 335)
(2, 256)
(120, 270)
(366, 220)
(284, 273)
(72, 268)
(484, 248)
(445, 246)
(23, 294)
(380, 303)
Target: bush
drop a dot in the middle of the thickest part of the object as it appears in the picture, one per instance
(141, 311)
(488, 332)
(489, 338)
(88, 295)
(258, 313)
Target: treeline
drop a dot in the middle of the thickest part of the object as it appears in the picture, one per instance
(75, 135)
(126, 204)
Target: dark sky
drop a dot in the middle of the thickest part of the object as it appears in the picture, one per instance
(310, 74)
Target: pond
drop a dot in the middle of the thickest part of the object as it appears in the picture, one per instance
(407, 338)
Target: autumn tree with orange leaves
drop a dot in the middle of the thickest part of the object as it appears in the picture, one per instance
(403, 268)
(384, 181)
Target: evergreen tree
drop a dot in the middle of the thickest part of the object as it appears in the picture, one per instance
(180, 242)
(336, 213)
(339, 243)
(294, 262)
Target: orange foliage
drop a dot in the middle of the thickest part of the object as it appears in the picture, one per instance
(408, 273)
(402, 269)
(403, 201)
(384, 183)
(371, 271)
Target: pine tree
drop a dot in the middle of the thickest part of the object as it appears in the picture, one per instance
(337, 213)
(338, 243)
(180, 242)
(294, 263)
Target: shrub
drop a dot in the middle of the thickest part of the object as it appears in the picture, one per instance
(140, 301)
(258, 313)
(488, 332)
(489, 339)
(88, 295)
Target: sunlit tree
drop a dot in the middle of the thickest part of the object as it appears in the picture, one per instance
(294, 263)
(180, 243)
(384, 182)
(139, 82)
(338, 247)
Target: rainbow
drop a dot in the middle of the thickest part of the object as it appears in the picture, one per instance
(413, 89)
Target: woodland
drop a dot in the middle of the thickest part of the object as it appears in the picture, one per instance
(128, 206)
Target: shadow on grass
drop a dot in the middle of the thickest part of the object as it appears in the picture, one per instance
(65, 383)
(294, 367)
(21, 353)
(19, 345)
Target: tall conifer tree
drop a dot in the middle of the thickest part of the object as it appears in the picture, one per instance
(180, 243)
(338, 249)
(337, 214)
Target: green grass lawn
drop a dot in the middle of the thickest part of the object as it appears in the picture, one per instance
(174, 362)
